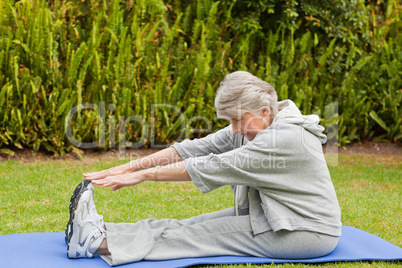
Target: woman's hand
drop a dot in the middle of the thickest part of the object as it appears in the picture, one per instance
(110, 177)
(120, 176)
(123, 169)
(119, 181)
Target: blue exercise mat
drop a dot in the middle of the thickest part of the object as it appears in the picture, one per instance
(49, 250)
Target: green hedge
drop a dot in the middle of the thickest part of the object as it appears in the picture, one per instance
(122, 59)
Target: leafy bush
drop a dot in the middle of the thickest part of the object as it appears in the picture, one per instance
(147, 71)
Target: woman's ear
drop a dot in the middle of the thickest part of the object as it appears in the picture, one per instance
(265, 112)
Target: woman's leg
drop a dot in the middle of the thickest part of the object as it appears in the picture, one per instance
(103, 249)
(230, 235)
(144, 225)
(147, 224)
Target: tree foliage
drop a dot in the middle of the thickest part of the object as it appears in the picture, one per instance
(130, 55)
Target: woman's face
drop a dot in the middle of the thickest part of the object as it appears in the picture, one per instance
(250, 125)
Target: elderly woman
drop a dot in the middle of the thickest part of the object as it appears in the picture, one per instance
(271, 155)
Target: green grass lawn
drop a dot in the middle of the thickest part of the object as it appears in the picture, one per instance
(35, 197)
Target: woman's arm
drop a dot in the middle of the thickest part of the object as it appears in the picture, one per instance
(171, 172)
(163, 157)
(123, 175)
(216, 143)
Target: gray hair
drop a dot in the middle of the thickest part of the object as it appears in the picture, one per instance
(242, 92)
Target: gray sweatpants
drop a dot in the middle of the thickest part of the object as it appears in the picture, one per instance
(212, 234)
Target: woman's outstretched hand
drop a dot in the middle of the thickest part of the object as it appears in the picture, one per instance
(122, 169)
(117, 177)
(124, 175)
(119, 181)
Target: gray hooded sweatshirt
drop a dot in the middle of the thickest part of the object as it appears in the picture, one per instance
(280, 178)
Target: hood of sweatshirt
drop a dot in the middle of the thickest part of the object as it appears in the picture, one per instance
(290, 114)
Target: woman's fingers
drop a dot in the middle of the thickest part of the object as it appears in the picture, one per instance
(97, 175)
(107, 181)
(116, 187)
(118, 181)
(101, 174)
(107, 172)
